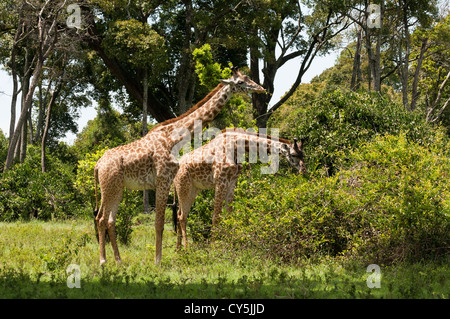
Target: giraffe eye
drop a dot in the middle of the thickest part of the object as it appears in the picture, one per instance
(241, 82)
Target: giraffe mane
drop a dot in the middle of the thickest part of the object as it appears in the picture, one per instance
(242, 131)
(192, 109)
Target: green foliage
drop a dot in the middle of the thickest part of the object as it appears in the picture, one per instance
(136, 44)
(238, 111)
(387, 204)
(3, 149)
(129, 208)
(107, 130)
(434, 67)
(26, 192)
(84, 181)
(208, 72)
(200, 216)
(342, 120)
(59, 254)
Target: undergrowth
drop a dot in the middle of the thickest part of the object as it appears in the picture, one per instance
(35, 266)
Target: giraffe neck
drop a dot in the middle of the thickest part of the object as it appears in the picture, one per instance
(203, 115)
(233, 145)
(270, 143)
(208, 111)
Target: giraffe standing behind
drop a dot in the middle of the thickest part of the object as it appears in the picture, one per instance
(149, 163)
(214, 166)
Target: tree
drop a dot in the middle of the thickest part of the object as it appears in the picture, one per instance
(431, 69)
(61, 93)
(41, 21)
(183, 27)
(295, 30)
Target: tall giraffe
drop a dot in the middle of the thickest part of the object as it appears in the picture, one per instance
(214, 166)
(150, 163)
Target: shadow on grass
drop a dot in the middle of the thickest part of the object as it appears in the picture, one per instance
(108, 285)
(18, 285)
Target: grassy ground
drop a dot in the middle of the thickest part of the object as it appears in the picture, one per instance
(34, 257)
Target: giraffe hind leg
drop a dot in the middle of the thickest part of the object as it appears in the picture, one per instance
(101, 230)
(106, 219)
(95, 213)
(112, 233)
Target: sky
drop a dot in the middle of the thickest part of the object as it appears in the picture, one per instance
(283, 81)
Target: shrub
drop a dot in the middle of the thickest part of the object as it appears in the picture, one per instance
(84, 181)
(340, 121)
(200, 215)
(388, 203)
(26, 192)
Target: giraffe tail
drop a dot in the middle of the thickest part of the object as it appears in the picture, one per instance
(174, 211)
(95, 190)
(95, 212)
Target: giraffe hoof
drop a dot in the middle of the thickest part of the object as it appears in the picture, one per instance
(102, 262)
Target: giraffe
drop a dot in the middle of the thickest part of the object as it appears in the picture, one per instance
(214, 166)
(151, 163)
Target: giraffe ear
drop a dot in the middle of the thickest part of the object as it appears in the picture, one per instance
(235, 70)
(226, 81)
(296, 147)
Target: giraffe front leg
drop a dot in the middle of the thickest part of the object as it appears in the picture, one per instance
(219, 196)
(162, 193)
(166, 168)
(229, 200)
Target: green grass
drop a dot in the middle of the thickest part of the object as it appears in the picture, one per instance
(34, 257)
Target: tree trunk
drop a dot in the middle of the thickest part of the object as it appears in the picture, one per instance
(24, 114)
(47, 37)
(23, 140)
(15, 91)
(356, 74)
(21, 151)
(53, 97)
(369, 50)
(377, 56)
(185, 71)
(405, 58)
(258, 100)
(40, 117)
(414, 90)
(432, 108)
(145, 200)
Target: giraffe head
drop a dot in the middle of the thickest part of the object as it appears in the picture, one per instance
(294, 155)
(242, 83)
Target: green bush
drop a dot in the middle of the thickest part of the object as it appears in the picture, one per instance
(26, 192)
(389, 202)
(3, 149)
(340, 121)
(200, 216)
